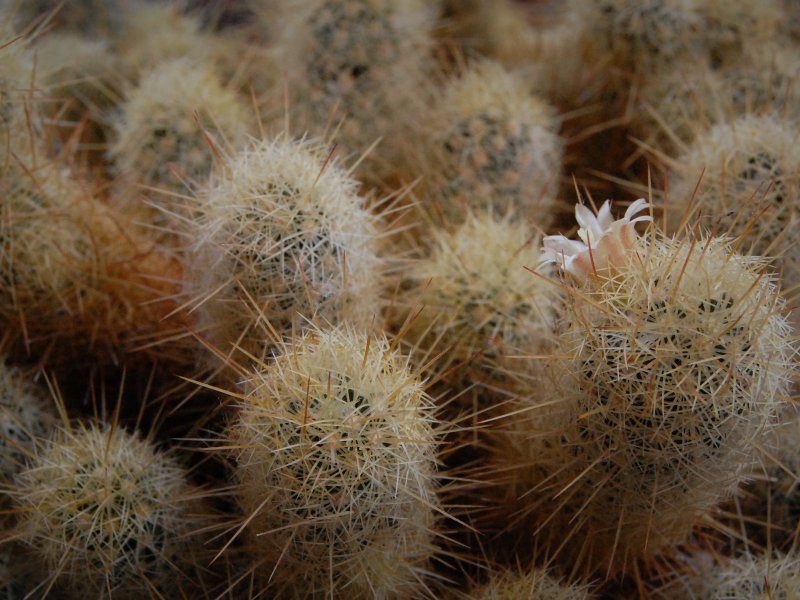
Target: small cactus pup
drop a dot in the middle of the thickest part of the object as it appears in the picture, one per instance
(168, 125)
(334, 445)
(282, 237)
(534, 585)
(680, 104)
(74, 272)
(492, 146)
(25, 416)
(104, 513)
(750, 187)
(478, 304)
(675, 359)
(356, 67)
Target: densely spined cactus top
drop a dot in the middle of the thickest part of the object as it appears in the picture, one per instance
(673, 362)
(493, 146)
(334, 446)
(750, 187)
(282, 237)
(102, 511)
(480, 304)
(357, 61)
(160, 139)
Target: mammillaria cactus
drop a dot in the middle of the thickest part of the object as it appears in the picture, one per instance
(334, 446)
(161, 136)
(749, 187)
(749, 577)
(643, 37)
(493, 146)
(674, 359)
(103, 512)
(360, 62)
(24, 418)
(479, 302)
(156, 33)
(282, 237)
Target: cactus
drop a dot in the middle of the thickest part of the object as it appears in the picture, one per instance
(102, 511)
(283, 236)
(749, 187)
(24, 417)
(479, 303)
(733, 28)
(157, 33)
(683, 103)
(82, 81)
(674, 359)
(356, 61)
(679, 104)
(334, 446)
(535, 585)
(494, 146)
(72, 269)
(160, 138)
(643, 38)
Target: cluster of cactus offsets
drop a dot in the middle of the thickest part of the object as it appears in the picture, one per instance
(102, 511)
(335, 462)
(292, 303)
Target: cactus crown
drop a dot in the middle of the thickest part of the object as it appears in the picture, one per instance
(160, 132)
(289, 232)
(497, 143)
(478, 297)
(102, 509)
(335, 459)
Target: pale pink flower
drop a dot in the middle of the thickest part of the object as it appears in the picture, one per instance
(603, 243)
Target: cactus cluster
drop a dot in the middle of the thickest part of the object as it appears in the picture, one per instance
(291, 305)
